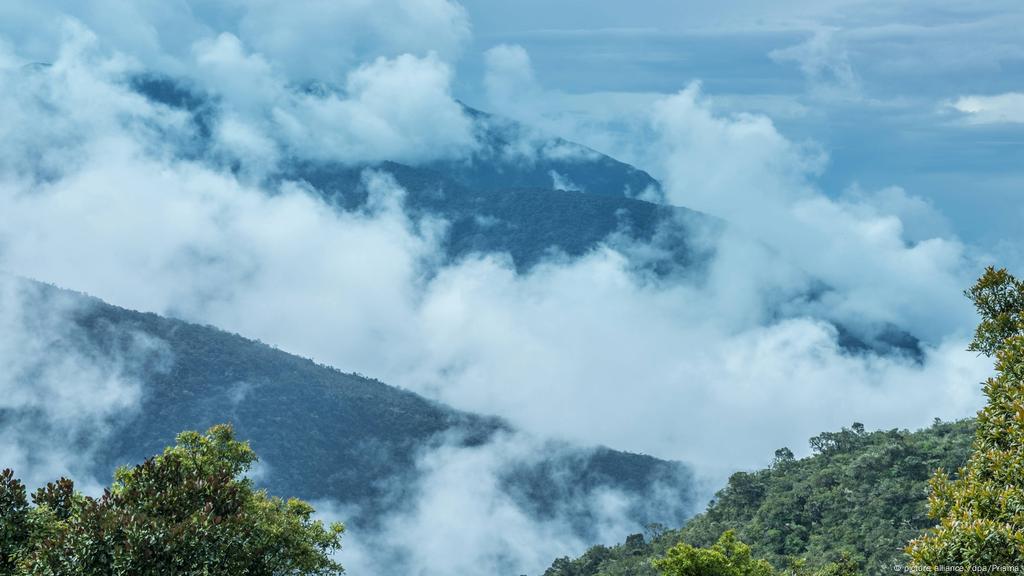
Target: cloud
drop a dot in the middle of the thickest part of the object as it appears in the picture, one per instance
(825, 63)
(919, 218)
(602, 121)
(396, 109)
(320, 39)
(679, 371)
(63, 386)
(509, 81)
(310, 40)
(1005, 108)
(742, 169)
(496, 532)
(561, 182)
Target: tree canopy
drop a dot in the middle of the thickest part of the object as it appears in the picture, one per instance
(188, 511)
(981, 513)
(728, 557)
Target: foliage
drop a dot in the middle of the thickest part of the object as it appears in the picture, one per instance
(728, 557)
(854, 503)
(861, 493)
(188, 511)
(981, 514)
(999, 298)
(14, 511)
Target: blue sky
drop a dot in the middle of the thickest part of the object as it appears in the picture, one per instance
(874, 83)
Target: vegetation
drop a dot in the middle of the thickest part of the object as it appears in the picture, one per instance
(855, 502)
(188, 511)
(731, 557)
(848, 508)
(981, 514)
(527, 223)
(728, 557)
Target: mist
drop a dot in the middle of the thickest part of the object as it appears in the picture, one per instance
(62, 389)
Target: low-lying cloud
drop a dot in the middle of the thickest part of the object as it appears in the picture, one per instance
(461, 502)
(62, 388)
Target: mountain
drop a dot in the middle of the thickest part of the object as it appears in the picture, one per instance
(534, 196)
(528, 224)
(321, 434)
(860, 493)
(512, 155)
(503, 197)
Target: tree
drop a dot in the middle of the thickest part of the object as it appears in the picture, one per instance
(731, 557)
(13, 520)
(981, 513)
(999, 298)
(188, 511)
(728, 557)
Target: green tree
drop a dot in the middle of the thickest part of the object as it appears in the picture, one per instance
(189, 511)
(999, 298)
(14, 511)
(728, 557)
(981, 513)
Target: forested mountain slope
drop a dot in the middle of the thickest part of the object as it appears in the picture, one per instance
(509, 196)
(321, 433)
(860, 493)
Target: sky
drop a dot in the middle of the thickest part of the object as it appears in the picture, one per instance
(868, 146)
(922, 95)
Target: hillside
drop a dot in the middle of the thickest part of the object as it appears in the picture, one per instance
(528, 224)
(505, 198)
(320, 433)
(861, 493)
(512, 155)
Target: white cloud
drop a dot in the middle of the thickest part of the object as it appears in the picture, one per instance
(1005, 108)
(825, 62)
(321, 39)
(605, 122)
(509, 81)
(561, 182)
(395, 105)
(312, 39)
(919, 219)
(247, 81)
(61, 388)
(742, 169)
(461, 498)
(677, 371)
(398, 109)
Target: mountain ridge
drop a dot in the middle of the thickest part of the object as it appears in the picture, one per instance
(323, 433)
